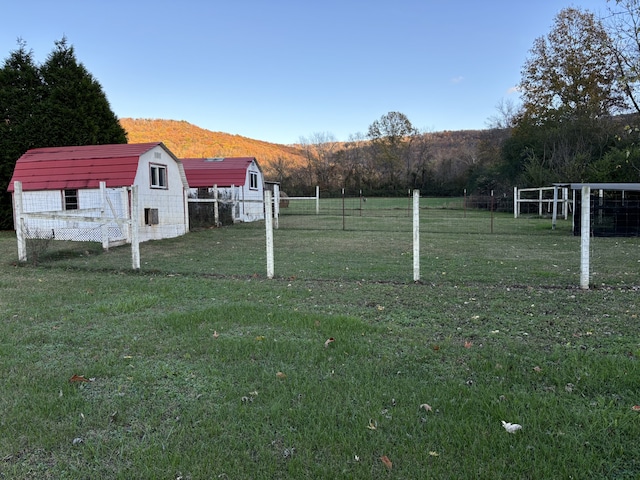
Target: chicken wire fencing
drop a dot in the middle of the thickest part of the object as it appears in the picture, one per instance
(536, 246)
(354, 210)
(54, 224)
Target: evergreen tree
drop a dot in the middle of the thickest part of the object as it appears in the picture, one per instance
(56, 104)
(78, 110)
(21, 93)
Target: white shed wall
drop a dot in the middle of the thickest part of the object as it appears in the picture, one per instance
(252, 208)
(170, 201)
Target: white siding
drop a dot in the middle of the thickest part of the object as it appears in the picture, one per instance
(169, 201)
(253, 205)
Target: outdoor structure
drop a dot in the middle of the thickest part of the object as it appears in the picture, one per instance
(235, 181)
(542, 200)
(614, 208)
(100, 193)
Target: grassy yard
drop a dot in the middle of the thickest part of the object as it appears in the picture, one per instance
(199, 367)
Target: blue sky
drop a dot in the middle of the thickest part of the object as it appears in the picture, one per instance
(279, 70)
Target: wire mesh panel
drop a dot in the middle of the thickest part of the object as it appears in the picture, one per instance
(613, 214)
(75, 215)
(465, 214)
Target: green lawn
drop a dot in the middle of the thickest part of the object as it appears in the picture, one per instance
(201, 368)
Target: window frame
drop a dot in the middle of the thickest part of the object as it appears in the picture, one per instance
(158, 177)
(253, 180)
(151, 216)
(70, 199)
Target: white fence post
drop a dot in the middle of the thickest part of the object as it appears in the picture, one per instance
(276, 205)
(19, 206)
(585, 233)
(104, 226)
(416, 235)
(135, 223)
(124, 196)
(268, 222)
(216, 214)
(540, 202)
(317, 199)
(516, 204)
(554, 216)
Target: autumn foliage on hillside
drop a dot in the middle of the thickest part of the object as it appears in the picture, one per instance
(437, 162)
(190, 141)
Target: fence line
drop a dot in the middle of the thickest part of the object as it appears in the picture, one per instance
(39, 222)
(316, 198)
(584, 244)
(551, 203)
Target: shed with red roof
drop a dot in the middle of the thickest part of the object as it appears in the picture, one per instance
(238, 180)
(66, 181)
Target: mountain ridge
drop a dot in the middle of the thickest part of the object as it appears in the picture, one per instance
(187, 140)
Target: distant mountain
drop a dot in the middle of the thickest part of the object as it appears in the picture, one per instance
(186, 141)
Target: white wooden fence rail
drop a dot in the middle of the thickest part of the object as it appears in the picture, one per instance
(102, 216)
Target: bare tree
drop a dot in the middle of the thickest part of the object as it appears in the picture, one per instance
(506, 116)
(623, 24)
(319, 151)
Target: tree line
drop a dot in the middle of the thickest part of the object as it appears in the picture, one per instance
(392, 157)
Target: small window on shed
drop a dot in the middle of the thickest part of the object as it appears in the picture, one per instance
(151, 216)
(70, 199)
(158, 175)
(253, 180)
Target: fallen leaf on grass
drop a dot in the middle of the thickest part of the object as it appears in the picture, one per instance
(79, 378)
(511, 427)
(387, 462)
(373, 425)
(215, 334)
(434, 454)
(281, 375)
(427, 407)
(537, 369)
(328, 341)
(636, 408)
(468, 344)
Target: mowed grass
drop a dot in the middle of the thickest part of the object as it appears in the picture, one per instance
(201, 367)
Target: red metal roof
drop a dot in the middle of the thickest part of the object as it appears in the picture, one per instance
(223, 172)
(58, 168)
